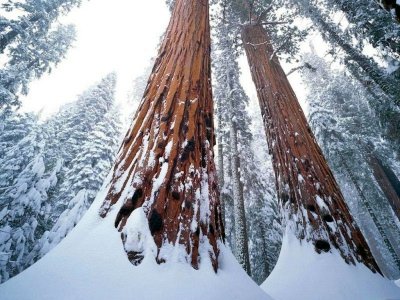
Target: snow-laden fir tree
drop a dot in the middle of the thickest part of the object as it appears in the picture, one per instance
(31, 44)
(370, 23)
(382, 83)
(34, 18)
(345, 126)
(27, 63)
(13, 128)
(25, 182)
(231, 105)
(84, 176)
(83, 138)
(265, 228)
(51, 176)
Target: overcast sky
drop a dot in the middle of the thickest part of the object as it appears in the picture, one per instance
(113, 35)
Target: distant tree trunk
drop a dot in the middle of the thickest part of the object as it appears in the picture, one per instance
(311, 200)
(221, 177)
(264, 250)
(373, 216)
(241, 238)
(388, 182)
(166, 162)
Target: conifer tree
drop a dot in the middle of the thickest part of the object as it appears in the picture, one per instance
(31, 45)
(22, 201)
(51, 172)
(344, 124)
(84, 177)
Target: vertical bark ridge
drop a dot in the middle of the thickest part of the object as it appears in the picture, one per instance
(310, 199)
(166, 162)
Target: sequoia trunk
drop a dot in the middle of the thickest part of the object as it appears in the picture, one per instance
(313, 206)
(166, 162)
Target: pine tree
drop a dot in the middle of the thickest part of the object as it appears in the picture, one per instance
(343, 128)
(34, 20)
(84, 177)
(383, 85)
(23, 200)
(165, 165)
(29, 46)
(50, 176)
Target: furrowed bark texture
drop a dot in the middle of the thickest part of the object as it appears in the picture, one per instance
(166, 162)
(311, 201)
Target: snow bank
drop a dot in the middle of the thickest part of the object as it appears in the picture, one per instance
(301, 273)
(90, 263)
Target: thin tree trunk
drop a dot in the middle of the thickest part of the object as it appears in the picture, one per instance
(381, 176)
(313, 206)
(365, 202)
(166, 162)
(241, 238)
(221, 177)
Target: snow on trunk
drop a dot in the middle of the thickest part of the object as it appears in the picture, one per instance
(91, 263)
(166, 162)
(242, 248)
(310, 199)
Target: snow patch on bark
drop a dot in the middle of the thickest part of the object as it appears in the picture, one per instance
(138, 235)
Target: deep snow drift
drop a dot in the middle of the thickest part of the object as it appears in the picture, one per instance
(301, 273)
(90, 263)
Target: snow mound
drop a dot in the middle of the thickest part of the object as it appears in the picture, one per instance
(91, 263)
(301, 273)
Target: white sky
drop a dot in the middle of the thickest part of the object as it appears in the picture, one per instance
(112, 35)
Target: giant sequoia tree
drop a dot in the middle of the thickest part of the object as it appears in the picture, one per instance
(313, 205)
(165, 164)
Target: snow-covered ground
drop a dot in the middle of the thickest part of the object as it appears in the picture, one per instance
(301, 273)
(90, 263)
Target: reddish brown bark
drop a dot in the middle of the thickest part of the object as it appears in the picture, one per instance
(311, 200)
(166, 163)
